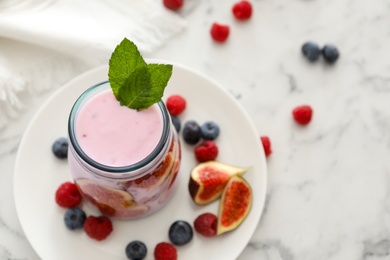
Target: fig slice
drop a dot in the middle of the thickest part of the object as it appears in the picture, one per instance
(208, 179)
(111, 202)
(155, 178)
(235, 204)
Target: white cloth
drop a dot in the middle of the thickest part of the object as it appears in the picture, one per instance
(51, 33)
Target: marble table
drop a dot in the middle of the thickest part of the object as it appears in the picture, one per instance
(328, 191)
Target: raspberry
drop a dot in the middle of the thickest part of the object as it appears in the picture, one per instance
(173, 4)
(242, 10)
(68, 195)
(165, 251)
(266, 145)
(302, 114)
(207, 151)
(206, 224)
(219, 32)
(176, 104)
(98, 228)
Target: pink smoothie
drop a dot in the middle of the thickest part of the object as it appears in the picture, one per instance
(115, 135)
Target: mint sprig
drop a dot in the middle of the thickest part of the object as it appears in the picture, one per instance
(135, 83)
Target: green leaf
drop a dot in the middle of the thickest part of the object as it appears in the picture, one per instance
(135, 93)
(159, 77)
(135, 83)
(124, 60)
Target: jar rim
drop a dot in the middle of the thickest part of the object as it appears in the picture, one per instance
(107, 170)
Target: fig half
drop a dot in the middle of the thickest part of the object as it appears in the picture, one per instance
(111, 202)
(208, 179)
(235, 204)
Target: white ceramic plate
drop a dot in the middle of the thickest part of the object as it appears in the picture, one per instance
(38, 174)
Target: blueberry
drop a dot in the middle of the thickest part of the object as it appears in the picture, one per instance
(191, 132)
(60, 148)
(330, 53)
(180, 232)
(74, 218)
(311, 50)
(209, 130)
(136, 250)
(176, 123)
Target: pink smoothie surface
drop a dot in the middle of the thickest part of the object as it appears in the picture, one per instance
(115, 135)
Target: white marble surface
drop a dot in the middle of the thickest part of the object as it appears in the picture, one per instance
(329, 182)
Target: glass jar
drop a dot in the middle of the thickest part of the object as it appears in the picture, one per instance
(125, 191)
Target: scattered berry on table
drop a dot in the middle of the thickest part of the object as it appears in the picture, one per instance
(219, 32)
(165, 251)
(176, 104)
(191, 132)
(136, 250)
(68, 195)
(302, 114)
(74, 218)
(176, 123)
(330, 53)
(209, 130)
(266, 145)
(173, 4)
(180, 232)
(98, 228)
(60, 148)
(311, 50)
(242, 10)
(206, 151)
(206, 224)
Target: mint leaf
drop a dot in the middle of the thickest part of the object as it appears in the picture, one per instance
(135, 93)
(124, 60)
(159, 77)
(135, 83)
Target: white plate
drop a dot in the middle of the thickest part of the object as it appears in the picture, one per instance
(38, 174)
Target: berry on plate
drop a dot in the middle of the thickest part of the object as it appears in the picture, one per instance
(242, 10)
(74, 218)
(206, 224)
(302, 114)
(60, 148)
(206, 151)
(176, 123)
(180, 232)
(266, 145)
(219, 32)
(165, 251)
(98, 228)
(173, 4)
(191, 132)
(68, 195)
(311, 50)
(330, 53)
(209, 130)
(176, 104)
(136, 250)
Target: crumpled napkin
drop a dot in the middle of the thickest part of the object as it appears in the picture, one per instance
(54, 34)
